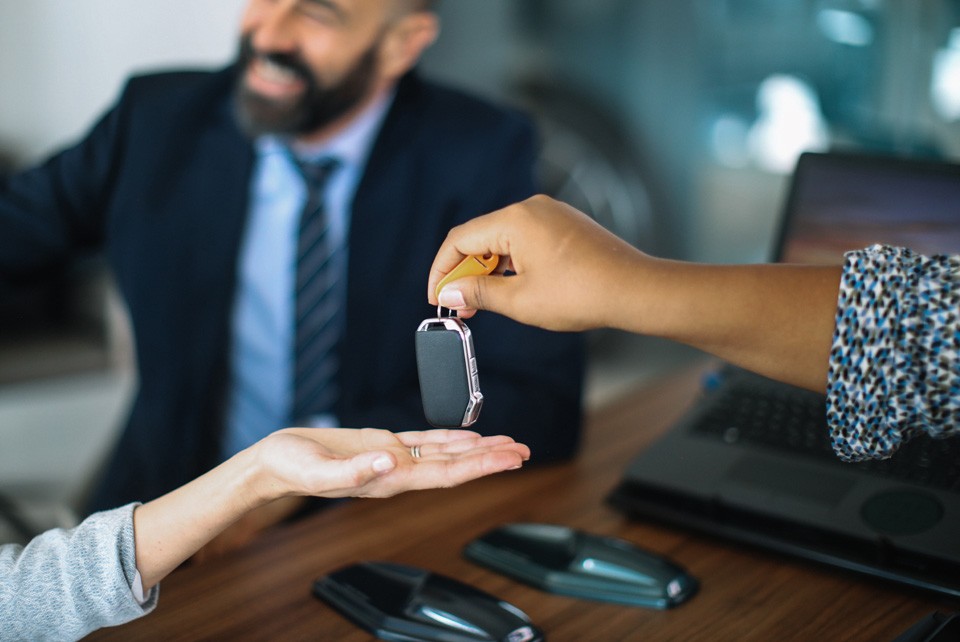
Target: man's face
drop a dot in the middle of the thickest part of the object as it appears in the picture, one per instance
(304, 64)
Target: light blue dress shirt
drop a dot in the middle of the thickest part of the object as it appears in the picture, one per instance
(261, 351)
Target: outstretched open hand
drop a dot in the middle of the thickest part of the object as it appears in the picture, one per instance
(345, 462)
(369, 462)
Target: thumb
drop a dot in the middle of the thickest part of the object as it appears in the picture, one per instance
(346, 477)
(371, 464)
(476, 293)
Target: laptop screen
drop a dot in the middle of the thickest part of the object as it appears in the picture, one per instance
(847, 201)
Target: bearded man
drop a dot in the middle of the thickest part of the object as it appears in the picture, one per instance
(196, 186)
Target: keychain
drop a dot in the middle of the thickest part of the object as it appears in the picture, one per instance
(446, 363)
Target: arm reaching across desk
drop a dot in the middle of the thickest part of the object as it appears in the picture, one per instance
(104, 572)
(572, 274)
(878, 334)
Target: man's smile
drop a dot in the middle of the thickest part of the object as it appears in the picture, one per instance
(270, 79)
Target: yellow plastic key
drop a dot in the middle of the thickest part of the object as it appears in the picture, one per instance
(470, 266)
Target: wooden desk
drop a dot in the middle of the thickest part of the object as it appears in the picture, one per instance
(263, 592)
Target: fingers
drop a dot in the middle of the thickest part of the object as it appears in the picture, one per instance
(469, 294)
(419, 437)
(378, 463)
(568, 271)
(358, 476)
(447, 474)
(535, 238)
(443, 473)
(481, 236)
(447, 443)
(471, 447)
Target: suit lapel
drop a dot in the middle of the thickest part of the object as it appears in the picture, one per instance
(220, 214)
(386, 196)
(380, 222)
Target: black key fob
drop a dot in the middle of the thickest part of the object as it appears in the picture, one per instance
(449, 385)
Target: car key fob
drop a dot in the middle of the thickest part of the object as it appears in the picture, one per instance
(447, 366)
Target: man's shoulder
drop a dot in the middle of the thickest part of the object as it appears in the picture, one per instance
(444, 103)
(174, 86)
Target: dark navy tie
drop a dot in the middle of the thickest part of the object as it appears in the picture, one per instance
(316, 311)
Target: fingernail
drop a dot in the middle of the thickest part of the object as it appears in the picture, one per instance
(383, 464)
(451, 297)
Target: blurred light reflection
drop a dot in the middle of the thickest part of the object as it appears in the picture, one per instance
(845, 27)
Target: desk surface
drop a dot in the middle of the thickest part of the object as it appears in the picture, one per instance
(263, 592)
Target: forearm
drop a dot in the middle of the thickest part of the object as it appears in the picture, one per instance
(171, 528)
(66, 583)
(777, 320)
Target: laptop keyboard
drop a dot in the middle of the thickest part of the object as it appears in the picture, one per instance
(769, 414)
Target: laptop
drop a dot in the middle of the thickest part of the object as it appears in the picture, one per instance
(751, 461)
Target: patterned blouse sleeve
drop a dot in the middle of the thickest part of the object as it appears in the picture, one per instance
(894, 370)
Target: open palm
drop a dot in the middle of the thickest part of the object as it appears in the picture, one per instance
(339, 462)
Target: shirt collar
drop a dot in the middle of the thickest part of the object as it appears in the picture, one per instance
(351, 146)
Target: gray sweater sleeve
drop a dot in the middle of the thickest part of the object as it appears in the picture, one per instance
(66, 583)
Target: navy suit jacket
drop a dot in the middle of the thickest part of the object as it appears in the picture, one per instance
(161, 185)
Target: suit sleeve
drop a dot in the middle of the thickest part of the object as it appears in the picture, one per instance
(55, 209)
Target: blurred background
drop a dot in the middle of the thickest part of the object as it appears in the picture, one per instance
(676, 123)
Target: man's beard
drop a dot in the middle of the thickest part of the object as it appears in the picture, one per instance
(316, 107)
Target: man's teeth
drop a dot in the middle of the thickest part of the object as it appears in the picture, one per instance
(274, 72)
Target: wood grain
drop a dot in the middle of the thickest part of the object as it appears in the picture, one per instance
(264, 591)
